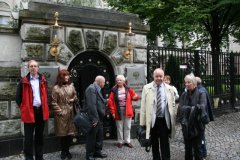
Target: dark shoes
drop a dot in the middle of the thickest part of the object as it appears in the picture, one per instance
(65, 155)
(100, 155)
(119, 145)
(128, 145)
(69, 156)
(39, 158)
(90, 158)
(36, 158)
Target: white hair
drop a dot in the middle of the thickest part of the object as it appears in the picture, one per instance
(121, 77)
(191, 77)
(198, 79)
(157, 70)
(99, 79)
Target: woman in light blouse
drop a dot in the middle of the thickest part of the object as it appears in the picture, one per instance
(120, 105)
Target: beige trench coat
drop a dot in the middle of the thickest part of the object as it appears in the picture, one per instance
(63, 109)
(148, 108)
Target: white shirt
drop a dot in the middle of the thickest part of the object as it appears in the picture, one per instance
(163, 99)
(36, 90)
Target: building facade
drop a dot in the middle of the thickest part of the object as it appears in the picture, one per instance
(92, 42)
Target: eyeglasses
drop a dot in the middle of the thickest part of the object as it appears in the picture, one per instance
(33, 66)
(119, 80)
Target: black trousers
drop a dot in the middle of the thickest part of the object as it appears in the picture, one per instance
(65, 143)
(160, 135)
(94, 141)
(193, 147)
(29, 129)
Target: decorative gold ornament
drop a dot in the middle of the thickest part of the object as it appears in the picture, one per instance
(55, 41)
(128, 53)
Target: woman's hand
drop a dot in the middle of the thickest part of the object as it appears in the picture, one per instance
(136, 97)
(113, 115)
(71, 100)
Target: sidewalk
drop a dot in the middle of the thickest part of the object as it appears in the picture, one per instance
(223, 143)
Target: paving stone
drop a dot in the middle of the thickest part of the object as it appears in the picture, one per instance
(222, 135)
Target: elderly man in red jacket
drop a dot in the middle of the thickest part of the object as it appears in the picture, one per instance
(31, 97)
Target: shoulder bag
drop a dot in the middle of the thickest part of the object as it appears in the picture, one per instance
(81, 119)
(141, 136)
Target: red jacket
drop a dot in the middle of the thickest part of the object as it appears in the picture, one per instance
(25, 99)
(113, 102)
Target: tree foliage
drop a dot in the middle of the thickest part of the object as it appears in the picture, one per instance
(205, 21)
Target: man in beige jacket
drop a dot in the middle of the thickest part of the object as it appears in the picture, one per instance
(158, 114)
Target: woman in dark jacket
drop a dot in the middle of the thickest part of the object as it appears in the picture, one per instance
(120, 105)
(192, 118)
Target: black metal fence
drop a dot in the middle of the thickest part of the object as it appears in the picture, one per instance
(220, 72)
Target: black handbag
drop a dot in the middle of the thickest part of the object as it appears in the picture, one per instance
(141, 136)
(81, 119)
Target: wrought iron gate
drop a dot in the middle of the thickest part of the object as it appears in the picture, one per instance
(178, 62)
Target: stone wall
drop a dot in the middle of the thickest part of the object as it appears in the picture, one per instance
(10, 47)
(103, 33)
(35, 44)
(9, 112)
(83, 30)
(76, 41)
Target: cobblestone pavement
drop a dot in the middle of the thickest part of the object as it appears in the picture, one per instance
(223, 143)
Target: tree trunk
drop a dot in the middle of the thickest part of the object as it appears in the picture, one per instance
(215, 45)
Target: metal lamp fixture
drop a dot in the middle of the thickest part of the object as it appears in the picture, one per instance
(130, 43)
(54, 39)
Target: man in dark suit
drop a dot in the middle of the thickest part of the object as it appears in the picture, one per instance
(95, 106)
(202, 89)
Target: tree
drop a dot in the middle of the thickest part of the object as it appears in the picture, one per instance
(172, 69)
(205, 21)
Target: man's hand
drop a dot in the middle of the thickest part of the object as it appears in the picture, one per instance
(113, 115)
(95, 124)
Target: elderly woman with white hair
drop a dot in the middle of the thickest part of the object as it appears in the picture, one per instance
(192, 118)
(120, 105)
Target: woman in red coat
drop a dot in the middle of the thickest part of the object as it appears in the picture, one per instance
(120, 105)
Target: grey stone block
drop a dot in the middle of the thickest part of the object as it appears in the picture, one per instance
(15, 110)
(140, 56)
(110, 42)
(33, 32)
(10, 128)
(93, 38)
(33, 50)
(4, 113)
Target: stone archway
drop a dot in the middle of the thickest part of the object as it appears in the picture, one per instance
(86, 66)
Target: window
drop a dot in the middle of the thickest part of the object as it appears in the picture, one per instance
(5, 21)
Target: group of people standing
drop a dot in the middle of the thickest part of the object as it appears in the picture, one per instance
(158, 113)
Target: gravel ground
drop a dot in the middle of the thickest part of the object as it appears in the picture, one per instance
(223, 143)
